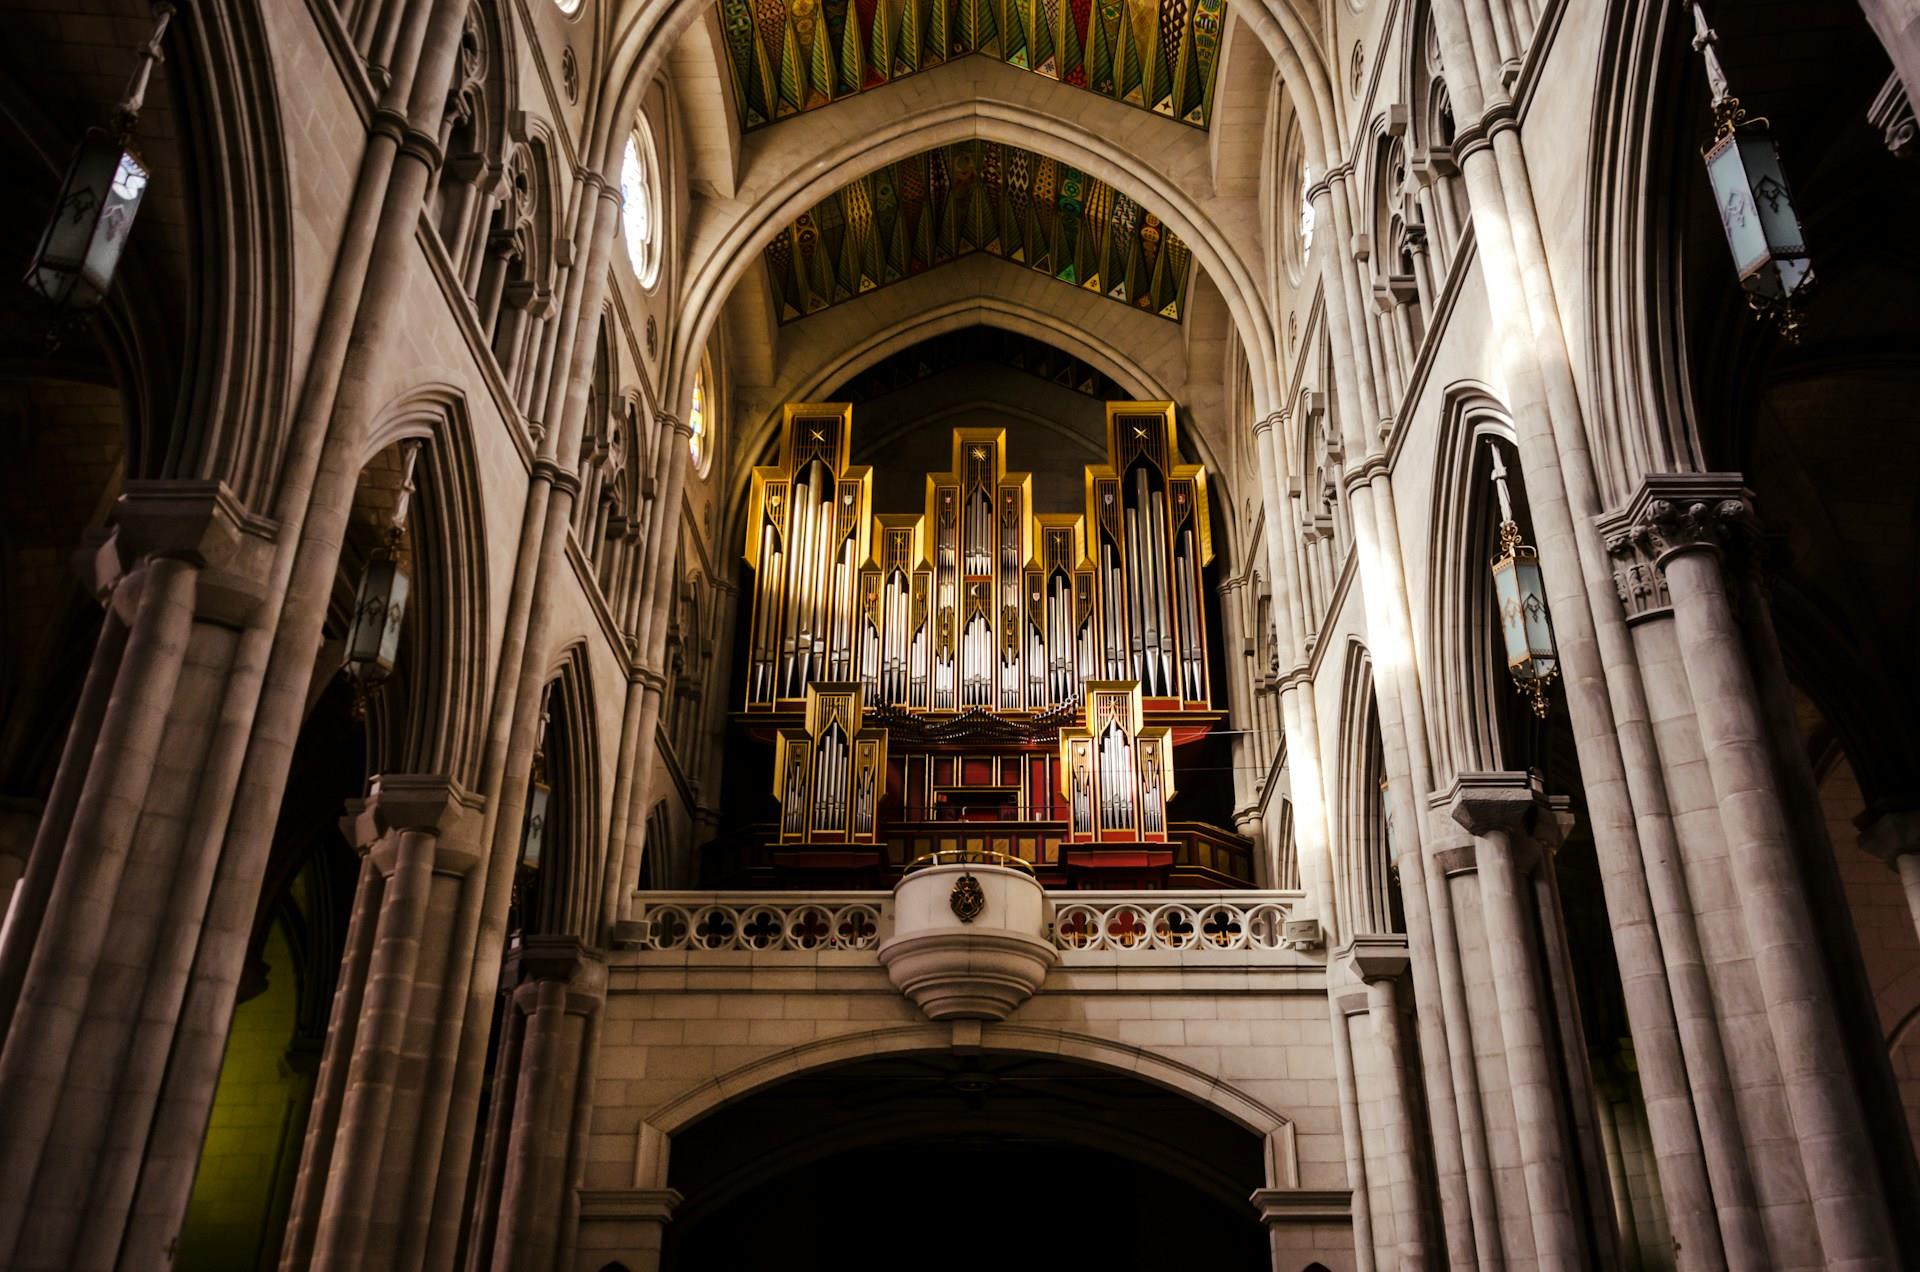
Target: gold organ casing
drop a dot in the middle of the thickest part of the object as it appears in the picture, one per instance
(978, 603)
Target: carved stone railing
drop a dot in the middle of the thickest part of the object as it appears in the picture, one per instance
(1120, 922)
(707, 921)
(1206, 922)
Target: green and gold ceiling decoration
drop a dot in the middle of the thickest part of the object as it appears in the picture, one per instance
(790, 56)
(977, 196)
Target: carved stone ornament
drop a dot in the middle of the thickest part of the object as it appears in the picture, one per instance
(1674, 512)
(967, 899)
(1638, 581)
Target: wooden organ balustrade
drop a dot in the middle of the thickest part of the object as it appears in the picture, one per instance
(980, 670)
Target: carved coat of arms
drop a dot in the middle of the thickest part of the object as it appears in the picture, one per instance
(969, 902)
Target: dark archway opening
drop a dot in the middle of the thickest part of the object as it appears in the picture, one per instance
(963, 1161)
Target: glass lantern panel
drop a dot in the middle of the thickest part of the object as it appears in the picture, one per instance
(1533, 612)
(1772, 197)
(124, 192)
(1511, 602)
(60, 267)
(1733, 195)
(374, 642)
(536, 841)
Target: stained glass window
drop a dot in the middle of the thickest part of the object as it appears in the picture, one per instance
(640, 207)
(697, 420)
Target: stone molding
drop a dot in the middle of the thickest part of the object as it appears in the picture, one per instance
(671, 424)
(1302, 1205)
(653, 1205)
(1276, 419)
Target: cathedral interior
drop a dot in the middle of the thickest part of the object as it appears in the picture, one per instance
(692, 635)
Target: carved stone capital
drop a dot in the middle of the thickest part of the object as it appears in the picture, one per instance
(1681, 512)
(1890, 835)
(200, 522)
(1265, 422)
(420, 803)
(533, 961)
(1485, 802)
(672, 424)
(1381, 957)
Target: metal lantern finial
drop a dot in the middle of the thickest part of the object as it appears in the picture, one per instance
(1520, 591)
(373, 641)
(1755, 203)
(80, 249)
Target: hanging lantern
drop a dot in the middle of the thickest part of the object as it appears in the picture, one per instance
(81, 247)
(1521, 594)
(373, 641)
(1755, 203)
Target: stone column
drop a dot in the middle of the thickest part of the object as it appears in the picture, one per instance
(412, 823)
(1381, 963)
(1685, 520)
(101, 976)
(1442, 846)
(556, 989)
(1345, 1006)
(1498, 809)
(630, 1224)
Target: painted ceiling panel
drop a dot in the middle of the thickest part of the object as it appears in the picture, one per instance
(977, 196)
(790, 56)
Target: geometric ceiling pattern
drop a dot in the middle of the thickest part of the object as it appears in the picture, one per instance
(972, 347)
(977, 196)
(792, 56)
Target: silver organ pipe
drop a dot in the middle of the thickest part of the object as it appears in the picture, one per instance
(1192, 641)
(918, 652)
(946, 602)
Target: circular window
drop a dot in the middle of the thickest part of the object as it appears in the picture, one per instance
(697, 421)
(568, 7)
(640, 207)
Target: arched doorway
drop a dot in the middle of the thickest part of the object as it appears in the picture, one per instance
(955, 1159)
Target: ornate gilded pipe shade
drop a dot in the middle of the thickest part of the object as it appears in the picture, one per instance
(977, 196)
(791, 56)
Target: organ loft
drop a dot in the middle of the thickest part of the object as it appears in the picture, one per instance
(983, 678)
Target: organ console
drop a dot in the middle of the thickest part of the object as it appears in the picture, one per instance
(981, 661)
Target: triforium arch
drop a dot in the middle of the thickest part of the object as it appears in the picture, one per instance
(445, 690)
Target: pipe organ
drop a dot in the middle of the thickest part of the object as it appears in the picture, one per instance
(831, 774)
(979, 603)
(1115, 772)
(979, 672)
